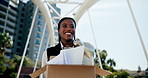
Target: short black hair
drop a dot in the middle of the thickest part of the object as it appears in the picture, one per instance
(64, 18)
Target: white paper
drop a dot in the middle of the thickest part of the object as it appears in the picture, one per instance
(73, 56)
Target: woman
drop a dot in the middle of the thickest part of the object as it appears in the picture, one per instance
(66, 32)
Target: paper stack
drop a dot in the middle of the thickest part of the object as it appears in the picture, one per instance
(72, 56)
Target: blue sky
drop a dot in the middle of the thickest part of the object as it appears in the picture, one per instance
(115, 31)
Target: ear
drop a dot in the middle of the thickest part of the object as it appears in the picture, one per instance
(58, 33)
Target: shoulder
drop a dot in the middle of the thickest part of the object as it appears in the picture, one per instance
(57, 47)
(53, 51)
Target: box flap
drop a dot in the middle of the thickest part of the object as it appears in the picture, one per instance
(102, 72)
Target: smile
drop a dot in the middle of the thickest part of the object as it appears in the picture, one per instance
(68, 33)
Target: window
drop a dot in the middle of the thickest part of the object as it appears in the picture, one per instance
(35, 55)
(19, 37)
(22, 14)
(22, 20)
(40, 17)
(37, 42)
(39, 23)
(18, 43)
(18, 50)
(20, 31)
(23, 9)
(38, 35)
(38, 29)
(21, 25)
(36, 48)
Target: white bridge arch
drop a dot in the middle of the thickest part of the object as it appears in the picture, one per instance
(43, 6)
(83, 7)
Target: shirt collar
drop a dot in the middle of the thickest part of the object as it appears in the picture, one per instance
(62, 47)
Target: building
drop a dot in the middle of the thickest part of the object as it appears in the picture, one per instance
(8, 18)
(36, 44)
(23, 23)
(16, 19)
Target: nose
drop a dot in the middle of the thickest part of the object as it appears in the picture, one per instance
(69, 28)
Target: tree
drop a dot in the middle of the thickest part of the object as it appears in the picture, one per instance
(7, 67)
(111, 62)
(103, 56)
(2, 64)
(123, 74)
(105, 62)
(27, 61)
(108, 64)
(5, 41)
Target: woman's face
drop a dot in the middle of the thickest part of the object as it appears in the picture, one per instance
(67, 30)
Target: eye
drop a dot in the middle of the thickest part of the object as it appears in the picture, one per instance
(64, 26)
(71, 26)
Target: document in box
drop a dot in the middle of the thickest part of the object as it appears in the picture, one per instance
(73, 56)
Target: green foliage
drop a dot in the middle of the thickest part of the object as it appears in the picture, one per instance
(5, 41)
(124, 74)
(27, 61)
(2, 64)
(108, 64)
(10, 72)
(8, 68)
(118, 74)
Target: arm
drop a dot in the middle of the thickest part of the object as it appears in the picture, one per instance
(44, 61)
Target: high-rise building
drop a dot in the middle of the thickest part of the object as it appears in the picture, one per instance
(16, 18)
(23, 23)
(8, 14)
(38, 33)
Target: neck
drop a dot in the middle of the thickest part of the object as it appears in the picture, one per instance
(68, 43)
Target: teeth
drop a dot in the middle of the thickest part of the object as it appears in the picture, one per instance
(68, 33)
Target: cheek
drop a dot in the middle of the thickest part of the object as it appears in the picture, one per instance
(73, 31)
(60, 32)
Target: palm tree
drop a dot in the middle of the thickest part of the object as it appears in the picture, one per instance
(103, 55)
(5, 41)
(111, 62)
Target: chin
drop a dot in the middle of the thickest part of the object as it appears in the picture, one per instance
(68, 40)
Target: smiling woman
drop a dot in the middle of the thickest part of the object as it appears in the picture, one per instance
(66, 28)
(66, 32)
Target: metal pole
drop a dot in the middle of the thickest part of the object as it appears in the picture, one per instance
(6, 18)
(39, 48)
(138, 31)
(20, 67)
(99, 59)
(53, 9)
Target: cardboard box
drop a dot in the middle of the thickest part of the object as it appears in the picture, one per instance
(70, 71)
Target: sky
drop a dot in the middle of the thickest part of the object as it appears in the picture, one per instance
(115, 32)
